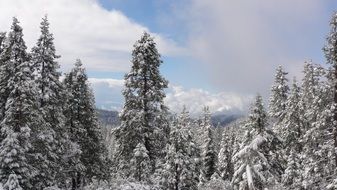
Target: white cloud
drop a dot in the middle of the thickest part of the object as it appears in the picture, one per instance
(112, 83)
(82, 29)
(108, 96)
(195, 99)
(108, 93)
(240, 43)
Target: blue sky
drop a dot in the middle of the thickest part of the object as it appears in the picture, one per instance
(152, 15)
(304, 41)
(218, 53)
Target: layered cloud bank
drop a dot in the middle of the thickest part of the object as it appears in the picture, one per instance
(108, 96)
(242, 42)
(83, 29)
(195, 99)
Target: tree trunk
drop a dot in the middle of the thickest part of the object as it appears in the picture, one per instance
(176, 184)
(73, 183)
(335, 116)
(78, 180)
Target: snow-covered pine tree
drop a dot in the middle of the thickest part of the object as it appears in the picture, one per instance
(293, 133)
(278, 98)
(143, 118)
(327, 125)
(315, 103)
(181, 171)
(83, 126)
(140, 163)
(292, 178)
(293, 127)
(225, 164)
(208, 166)
(14, 51)
(330, 51)
(12, 183)
(45, 65)
(57, 145)
(310, 90)
(2, 41)
(256, 165)
(20, 119)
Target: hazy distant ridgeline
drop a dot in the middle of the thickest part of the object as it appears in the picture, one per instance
(107, 117)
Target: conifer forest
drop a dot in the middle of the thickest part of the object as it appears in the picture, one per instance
(51, 136)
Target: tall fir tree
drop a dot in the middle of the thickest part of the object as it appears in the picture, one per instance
(45, 65)
(293, 134)
(293, 126)
(310, 90)
(278, 98)
(51, 97)
(327, 124)
(143, 118)
(181, 167)
(2, 41)
(225, 163)
(315, 151)
(13, 52)
(84, 128)
(256, 164)
(292, 178)
(208, 167)
(140, 164)
(330, 51)
(21, 117)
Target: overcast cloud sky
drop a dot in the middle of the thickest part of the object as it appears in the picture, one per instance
(218, 53)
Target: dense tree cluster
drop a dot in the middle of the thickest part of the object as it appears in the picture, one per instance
(49, 130)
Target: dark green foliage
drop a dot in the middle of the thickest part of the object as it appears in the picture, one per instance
(51, 141)
(143, 118)
(83, 126)
(20, 116)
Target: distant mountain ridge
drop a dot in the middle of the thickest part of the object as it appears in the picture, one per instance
(107, 117)
(224, 119)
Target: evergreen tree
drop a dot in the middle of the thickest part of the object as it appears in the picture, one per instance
(12, 183)
(83, 126)
(181, 167)
(293, 131)
(208, 154)
(310, 91)
(316, 116)
(225, 163)
(279, 94)
(330, 51)
(256, 164)
(140, 163)
(2, 41)
(277, 101)
(57, 146)
(20, 119)
(13, 53)
(45, 65)
(2, 46)
(327, 124)
(143, 118)
(292, 178)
